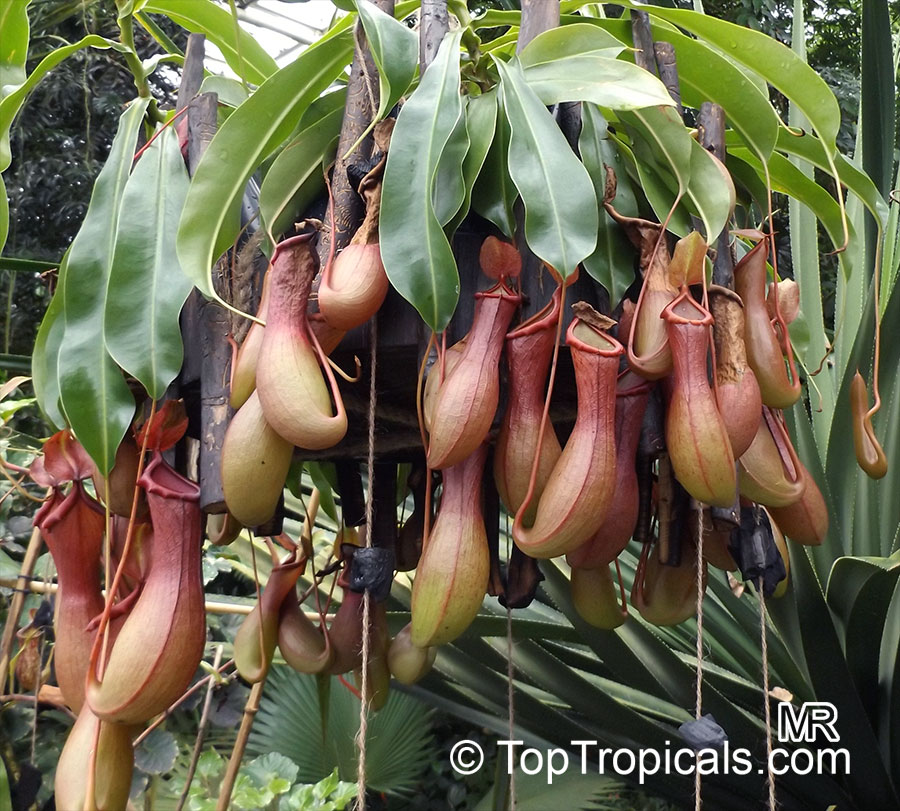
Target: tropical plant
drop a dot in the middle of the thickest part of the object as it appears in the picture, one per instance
(474, 139)
(315, 725)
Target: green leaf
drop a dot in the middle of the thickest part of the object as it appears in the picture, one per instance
(481, 123)
(395, 51)
(95, 398)
(157, 752)
(44, 358)
(772, 60)
(323, 483)
(664, 148)
(560, 205)
(494, 193)
(296, 176)
(832, 681)
(13, 97)
(210, 221)
(860, 592)
(414, 248)
(810, 148)
(291, 721)
(4, 214)
(608, 82)
(612, 263)
(570, 40)
(146, 286)
(661, 147)
(228, 91)
(705, 75)
(449, 190)
(878, 100)
(14, 32)
(244, 55)
(890, 267)
(710, 192)
(788, 179)
(270, 770)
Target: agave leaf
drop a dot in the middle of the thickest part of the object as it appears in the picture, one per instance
(805, 260)
(244, 55)
(832, 681)
(96, 401)
(210, 222)
(877, 88)
(416, 254)
(889, 682)
(561, 218)
(786, 178)
(860, 591)
(146, 286)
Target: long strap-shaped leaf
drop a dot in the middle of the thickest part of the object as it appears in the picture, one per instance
(608, 82)
(46, 352)
(705, 75)
(561, 218)
(772, 60)
(95, 398)
(244, 55)
(612, 263)
(146, 286)
(14, 87)
(414, 248)
(395, 51)
(295, 177)
(210, 224)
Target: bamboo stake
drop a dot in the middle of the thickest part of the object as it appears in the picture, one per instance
(201, 730)
(212, 606)
(237, 754)
(18, 601)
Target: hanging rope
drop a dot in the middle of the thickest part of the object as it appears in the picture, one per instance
(510, 669)
(364, 681)
(698, 703)
(768, 711)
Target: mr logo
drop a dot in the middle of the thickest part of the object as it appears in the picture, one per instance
(802, 724)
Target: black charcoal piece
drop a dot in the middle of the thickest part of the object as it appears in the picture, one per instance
(703, 733)
(372, 568)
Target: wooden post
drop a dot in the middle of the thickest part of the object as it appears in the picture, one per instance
(362, 89)
(434, 23)
(537, 16)
(215, 327)
(711, 129)
(191, 78)
(643, 41)
(664, 55)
